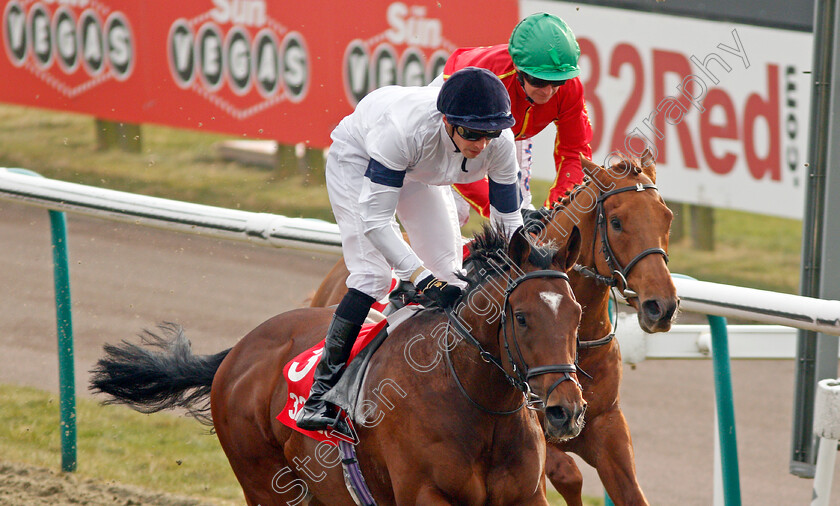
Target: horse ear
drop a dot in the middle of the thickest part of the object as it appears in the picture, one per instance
(595, 171)
(566, 257)
(519, 248)
(589, 166)
(649, 165)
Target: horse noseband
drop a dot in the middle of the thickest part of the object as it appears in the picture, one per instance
(532, 400)
(520, 380)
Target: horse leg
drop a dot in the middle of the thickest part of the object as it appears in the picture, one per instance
(608, 448)
(256, 457)
(284, 488)
(263, 473)
(427, 495)
(563, 472)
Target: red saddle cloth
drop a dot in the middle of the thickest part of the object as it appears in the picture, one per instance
(300, 373)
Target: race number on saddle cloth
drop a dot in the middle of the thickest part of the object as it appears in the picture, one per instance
(300, 372)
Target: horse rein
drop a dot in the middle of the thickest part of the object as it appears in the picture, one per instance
(523, 375)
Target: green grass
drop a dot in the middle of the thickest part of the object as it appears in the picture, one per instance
(173, 164)
(160, 452)
(751, 250)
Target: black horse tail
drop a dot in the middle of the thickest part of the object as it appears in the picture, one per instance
(150, 380)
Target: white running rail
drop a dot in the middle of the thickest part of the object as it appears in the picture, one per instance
(279, 231)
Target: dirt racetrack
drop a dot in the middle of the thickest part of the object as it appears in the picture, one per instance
(125, 278)
(24, 485)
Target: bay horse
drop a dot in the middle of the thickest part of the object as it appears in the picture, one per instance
(472, 431)
(623, 217)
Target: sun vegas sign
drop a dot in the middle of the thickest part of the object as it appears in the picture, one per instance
(236, 44)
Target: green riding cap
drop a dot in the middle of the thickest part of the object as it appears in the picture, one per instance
(542, 45)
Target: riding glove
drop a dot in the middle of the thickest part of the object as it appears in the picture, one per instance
(439, 291)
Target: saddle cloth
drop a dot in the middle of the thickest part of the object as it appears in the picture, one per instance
(300, 373)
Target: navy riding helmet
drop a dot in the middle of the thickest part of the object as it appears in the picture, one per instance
(475, 98)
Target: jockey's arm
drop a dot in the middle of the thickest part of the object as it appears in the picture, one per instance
(378, 199)
(504, 206)
(574, 133)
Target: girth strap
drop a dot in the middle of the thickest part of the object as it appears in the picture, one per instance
(353, 478)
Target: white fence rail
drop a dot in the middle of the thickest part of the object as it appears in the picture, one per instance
(261, 228)
(280, 231)
(684, 341)
(690, 341)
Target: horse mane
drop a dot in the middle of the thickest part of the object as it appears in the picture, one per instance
(626, 166)
(489, 255)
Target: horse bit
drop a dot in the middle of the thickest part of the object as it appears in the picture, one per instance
(523, 375)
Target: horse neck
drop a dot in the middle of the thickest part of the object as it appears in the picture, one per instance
(592, 295)
(594, 298)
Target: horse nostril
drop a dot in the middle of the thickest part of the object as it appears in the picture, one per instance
(558, 416)
(670, 309)
(653, 309)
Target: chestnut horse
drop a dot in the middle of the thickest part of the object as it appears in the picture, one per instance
(431, 433)
(624, 219)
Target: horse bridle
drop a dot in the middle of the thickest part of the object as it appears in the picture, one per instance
(522, 375)
(618, 274)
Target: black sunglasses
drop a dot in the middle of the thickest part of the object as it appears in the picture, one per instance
(476, 135)
(541, 83)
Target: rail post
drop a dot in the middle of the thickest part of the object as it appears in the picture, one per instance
(729, 480)
(64, 322)
(827, 427)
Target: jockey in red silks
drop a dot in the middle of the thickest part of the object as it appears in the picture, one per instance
(539, 68)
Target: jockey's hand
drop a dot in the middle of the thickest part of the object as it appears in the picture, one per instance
(439, 291)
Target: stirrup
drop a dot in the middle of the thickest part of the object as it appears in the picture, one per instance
(341, 426)
(319, 419)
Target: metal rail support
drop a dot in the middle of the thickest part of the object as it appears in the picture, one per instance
(727, 480)
(64, 321)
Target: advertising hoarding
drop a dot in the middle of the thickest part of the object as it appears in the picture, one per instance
(724, 105)
(252, 68)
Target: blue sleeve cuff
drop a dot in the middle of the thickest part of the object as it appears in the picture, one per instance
(381, 174)
(504, 197)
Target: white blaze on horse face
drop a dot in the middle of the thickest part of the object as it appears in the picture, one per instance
(553, 300)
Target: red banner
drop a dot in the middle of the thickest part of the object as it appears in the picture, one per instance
(252, 68)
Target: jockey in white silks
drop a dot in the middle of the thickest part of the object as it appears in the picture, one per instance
(395, 156)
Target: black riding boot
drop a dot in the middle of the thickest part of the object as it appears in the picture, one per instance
(317, 414)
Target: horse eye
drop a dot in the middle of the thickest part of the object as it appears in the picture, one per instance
(616, 224)
(520, 319)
